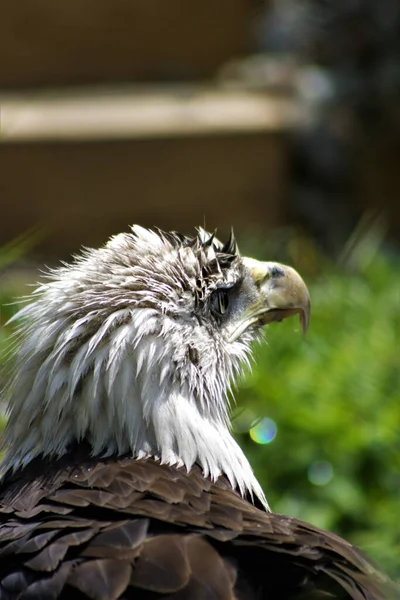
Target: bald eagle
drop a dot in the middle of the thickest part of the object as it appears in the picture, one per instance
(121, 478)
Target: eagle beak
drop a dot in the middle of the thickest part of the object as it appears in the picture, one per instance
(283, 293)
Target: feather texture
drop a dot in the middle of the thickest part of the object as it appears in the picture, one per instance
(126, 528)
(107, 355)
(121, 478)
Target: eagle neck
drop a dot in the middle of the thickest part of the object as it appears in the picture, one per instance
(184, 436)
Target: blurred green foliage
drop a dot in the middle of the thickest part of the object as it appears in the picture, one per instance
(19, 247)
(327, 404)
(7, 309)
(324, 409)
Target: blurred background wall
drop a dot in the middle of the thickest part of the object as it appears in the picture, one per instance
(238, 112)
(278, 117)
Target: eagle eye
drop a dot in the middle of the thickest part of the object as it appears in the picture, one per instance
(220, 302)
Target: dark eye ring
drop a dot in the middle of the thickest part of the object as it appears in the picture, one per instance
(220, 302)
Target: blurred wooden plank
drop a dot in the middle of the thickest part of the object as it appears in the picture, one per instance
(80, 193)
(82, 166)
(52, 42)
(141, 113)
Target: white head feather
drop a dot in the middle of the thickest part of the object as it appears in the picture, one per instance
(123, 350)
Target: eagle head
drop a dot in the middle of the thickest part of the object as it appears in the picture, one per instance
(133, 347)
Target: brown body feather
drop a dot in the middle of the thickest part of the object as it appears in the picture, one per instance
(125, 528)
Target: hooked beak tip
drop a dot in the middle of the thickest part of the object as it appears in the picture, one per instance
(304, 318)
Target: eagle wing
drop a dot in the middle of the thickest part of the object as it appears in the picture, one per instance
(125, 528)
